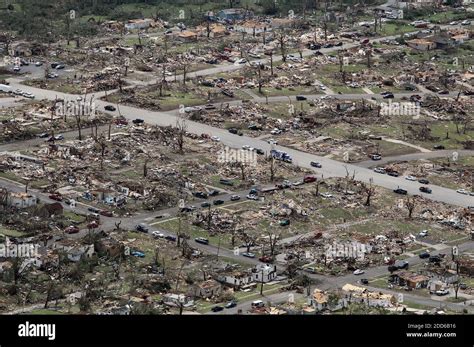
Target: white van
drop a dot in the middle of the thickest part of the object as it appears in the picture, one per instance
(258, 303)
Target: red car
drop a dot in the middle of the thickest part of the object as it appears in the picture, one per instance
(309, 179)
(56, 197)
(106, 213)
(121, 121)
(93, 225)
(266, 259)
(71, 230)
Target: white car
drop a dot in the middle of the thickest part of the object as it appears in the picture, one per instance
(252, 197)
(326, 195)
(410, 178)
(246, 147)
(462, 191)
(272, 142)
(423, 233)
(358, 272)
(466, 22)
(158, 234)
(215, 138)
(275, 131)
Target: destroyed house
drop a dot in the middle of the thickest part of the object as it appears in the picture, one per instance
(21, 200)
(206, 289)
(409, 279)
(466, 266)
(358, 294)
(236, 279)
(421, 44)
(110, 247)
(234, 14)
(443, 275)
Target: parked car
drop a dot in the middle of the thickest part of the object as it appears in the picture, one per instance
(170, 238)
(402, 265)
(43, 135)
(213, 192)
(442, 292)
(138, 254)
(248, 255)
(226, 182)
(93, 225)
(380, 170)
(231, 304)
(315, 164)
(438, 147)
(252, 197)
(393, 173)
(266, 259)
(301, 97)
(400, 191)
(376, 157)
(202, 240)
(142, 228)
(309, 179)
(423, 233)
(109, 108)
(358, 272)
(218, 202)
(205, 204)
(233, 130)
(258, 304)
(410, 178)
(93, 210)
(56, 196)
(71, 230)
(235, 198)
(217, 309)
(138, 121)
(462, 191)
(423, 181)
(158, 234)
(434, 259)
(425, 190)
(364, 281)
(106, 213)
(424, 255)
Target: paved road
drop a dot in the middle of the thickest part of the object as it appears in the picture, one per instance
(331, 168)
(416, 156)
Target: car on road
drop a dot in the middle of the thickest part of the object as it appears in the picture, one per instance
(28, 95)
(142, 228)
(38, 63)
(217, 309)
(358, 272)
(235, 198)
(206, 204)
(202, 240)
(462, 191)
(71, 230)
(315, 164)
(388, 96)
(400, 191)
(246, 147)
(259, 151)
(248, 255)
(423, 181)
(106, 213)
(410, 178)
(425, 190)
(364, 281)
(393, 173)
(301, 97)
(170, 238)
(466, 22)
(43, 135)
(252, 197)
(231, 304)
(434, 259)
(214, 192)
(110, 108)
(402, 265)
(16, 69)
(93, 210)
(233, 131)
(272, 142)
(56, 138)
(257, 304)
(376, 157)
(218, 202)
(424, 255)
(438, 147)
(326, 195)
(215, 138)
(380, 170)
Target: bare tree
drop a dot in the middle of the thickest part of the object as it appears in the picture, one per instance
(181, 132)
(410, 205)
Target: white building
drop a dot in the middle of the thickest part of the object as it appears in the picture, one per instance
(265, 271)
